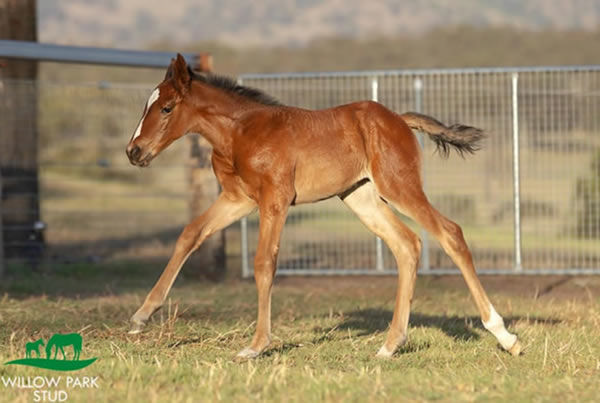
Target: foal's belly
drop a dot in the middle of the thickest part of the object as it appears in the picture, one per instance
(325, 175)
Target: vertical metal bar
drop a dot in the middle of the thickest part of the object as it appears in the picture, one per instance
(378, 241)
(244, 247)
(516, 172)
(418, 86)
(244, 236)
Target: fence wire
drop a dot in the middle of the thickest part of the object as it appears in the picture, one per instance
(558, 134)
(97, 207)
(94, 205)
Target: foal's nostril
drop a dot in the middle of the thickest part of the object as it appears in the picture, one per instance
(136, 151)
(133, 152)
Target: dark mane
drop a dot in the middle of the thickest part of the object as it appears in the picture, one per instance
(230, 85)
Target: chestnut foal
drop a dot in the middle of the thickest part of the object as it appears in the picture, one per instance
(270, 156)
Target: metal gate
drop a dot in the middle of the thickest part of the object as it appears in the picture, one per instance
(528, 202)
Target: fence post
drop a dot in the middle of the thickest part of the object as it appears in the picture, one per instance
(516, 172)
(425, 265)
(19, 148)
(378, 241)
(244, 237)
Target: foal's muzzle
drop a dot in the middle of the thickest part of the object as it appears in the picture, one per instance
(133, 151)
(137, 156)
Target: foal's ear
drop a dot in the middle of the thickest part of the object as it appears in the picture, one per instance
(181, 74)
(178, 71)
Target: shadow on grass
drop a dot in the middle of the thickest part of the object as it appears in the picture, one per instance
(281, 349)
(462, 328)
(374, 320)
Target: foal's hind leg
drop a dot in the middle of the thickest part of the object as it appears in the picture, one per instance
(406, 247)
(409, 199)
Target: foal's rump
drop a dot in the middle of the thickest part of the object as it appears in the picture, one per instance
(362, 139)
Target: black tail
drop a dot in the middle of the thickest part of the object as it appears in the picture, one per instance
(460, 137)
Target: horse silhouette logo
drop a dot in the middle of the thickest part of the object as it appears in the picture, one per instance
(64, 340)
(33, 347)
(57, 343)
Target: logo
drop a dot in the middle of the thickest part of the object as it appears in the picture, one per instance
(57, 343)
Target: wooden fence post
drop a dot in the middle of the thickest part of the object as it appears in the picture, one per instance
(19, 135)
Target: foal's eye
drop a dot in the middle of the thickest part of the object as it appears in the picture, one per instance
(166, 109)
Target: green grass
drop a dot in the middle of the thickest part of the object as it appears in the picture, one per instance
(325, 335)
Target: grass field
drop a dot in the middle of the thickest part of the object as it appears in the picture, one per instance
(325, 335)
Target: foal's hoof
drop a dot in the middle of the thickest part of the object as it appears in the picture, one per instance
(136, 326)
(515, 349)
(246, 354)
(384, 352)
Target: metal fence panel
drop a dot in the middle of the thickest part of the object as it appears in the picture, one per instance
(552, 114)
(560, 159)
(98, 208)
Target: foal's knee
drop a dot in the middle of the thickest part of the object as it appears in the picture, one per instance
(264, 266)
(191, 238)
(186, 240)
(263, 275)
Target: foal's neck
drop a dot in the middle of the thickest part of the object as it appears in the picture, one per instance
(217, 113)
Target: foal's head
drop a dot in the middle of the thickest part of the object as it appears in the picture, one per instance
(165, 117)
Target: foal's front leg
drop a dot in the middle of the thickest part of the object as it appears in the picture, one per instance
(224, 211)
(273, 212)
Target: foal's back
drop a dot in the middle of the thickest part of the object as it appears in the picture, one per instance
(325, 151)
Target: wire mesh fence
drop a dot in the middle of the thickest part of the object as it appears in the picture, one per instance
(96, 207)
(93, 204)
(551, 112)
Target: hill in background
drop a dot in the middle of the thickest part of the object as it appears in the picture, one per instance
(449, 47)
(461, 46)
(241, 23)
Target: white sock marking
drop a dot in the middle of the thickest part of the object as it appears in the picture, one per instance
(384, 352)
(153, 97)
(495, 325)
(247, 353)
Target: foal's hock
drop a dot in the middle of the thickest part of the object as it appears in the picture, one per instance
(269, 156)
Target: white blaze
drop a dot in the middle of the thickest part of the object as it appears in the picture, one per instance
(153, 97)
(495, 324)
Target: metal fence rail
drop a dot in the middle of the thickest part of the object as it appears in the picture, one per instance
(92, 205)
(529, 202)
(25, 50)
